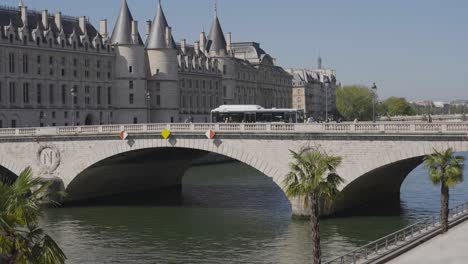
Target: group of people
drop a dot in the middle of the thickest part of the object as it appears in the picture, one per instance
(311, 120)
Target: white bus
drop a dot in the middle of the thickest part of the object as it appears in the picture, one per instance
(255, 114)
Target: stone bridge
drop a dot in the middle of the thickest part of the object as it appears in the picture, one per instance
(93, 161)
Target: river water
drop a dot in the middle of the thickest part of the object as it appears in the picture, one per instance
(227, 213)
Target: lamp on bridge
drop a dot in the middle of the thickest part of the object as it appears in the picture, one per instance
(73, 95)
(374, 95)
(148, 106)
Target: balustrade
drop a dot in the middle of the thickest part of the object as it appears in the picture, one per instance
(353, 128)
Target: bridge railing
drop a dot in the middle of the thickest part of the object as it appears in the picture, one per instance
(359, 128)
(389, 244)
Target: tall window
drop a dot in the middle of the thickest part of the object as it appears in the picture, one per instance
(12, 92)
(25, 63)
(99, 95)
(39, 93)
(158, 100)
(109, 95)
(131, 98)
(75, 96)
(51, 94)
(130, 85)
(26, 93)
(130, 69)
(11, 62)
(64, 94)
(87, 99)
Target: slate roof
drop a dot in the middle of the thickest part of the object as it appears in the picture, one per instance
(216, 40)
(157, 36)
(122, 33)
(69, 24)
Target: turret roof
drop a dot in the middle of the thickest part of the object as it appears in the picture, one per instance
(216, 40)
(157, 36)
(122, 33)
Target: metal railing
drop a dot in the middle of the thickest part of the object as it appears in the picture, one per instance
(396, 241)
(460, 128)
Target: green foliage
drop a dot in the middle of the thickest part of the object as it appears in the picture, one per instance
(396, 106)
(445, 168)
(355, 102)
(21, 239)
(313, 172)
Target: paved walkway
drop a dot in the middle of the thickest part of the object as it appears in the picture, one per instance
(451, 248)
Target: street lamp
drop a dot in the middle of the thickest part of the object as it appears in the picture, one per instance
(73, 94)
(374, 92)
(148, 107)
(327, 85)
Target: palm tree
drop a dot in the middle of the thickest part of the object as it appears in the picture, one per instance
(445, 169)
(21, 239)
(313, 179)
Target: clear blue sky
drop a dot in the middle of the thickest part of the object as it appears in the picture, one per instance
(412, 48)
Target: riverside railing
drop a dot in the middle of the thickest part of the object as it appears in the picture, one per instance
(458, 128)
(390, 244)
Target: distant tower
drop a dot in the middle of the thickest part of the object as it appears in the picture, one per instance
(216, 43)
(162, 71)
(319, 62)
(129, 91)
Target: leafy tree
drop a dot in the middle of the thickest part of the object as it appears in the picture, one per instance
(395, 106)
(22, 241)
(355, 102)
(313, 179)
(445, 169)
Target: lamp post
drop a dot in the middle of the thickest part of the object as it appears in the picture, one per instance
(73, 95)
(148, 107)
(326, 84)
(374, 92)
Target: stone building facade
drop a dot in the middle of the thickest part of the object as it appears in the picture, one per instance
(314, 91)
(57, 70)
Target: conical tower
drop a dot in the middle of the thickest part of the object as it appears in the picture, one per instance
(161, 57)
(216, 44)
(129, 90)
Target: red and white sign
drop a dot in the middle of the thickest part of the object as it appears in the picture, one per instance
(123, 135)
(210, 134)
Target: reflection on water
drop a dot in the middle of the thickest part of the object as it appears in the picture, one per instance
(225, 213)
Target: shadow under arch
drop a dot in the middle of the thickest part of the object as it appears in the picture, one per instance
(379, 188)
(148, 170)
(7, 176)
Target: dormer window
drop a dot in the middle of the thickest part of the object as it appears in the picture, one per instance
(74, 45)
(11, 38)
(38, 41)
(130, 69)
(86, 46)
(62, 42)
(25, 40)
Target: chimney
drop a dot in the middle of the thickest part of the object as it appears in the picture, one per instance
(135, 33)
(183, 43)
(58, 20)
(196, 47)
(148, 27)
(24, 15)
(45, 19)
(103, 28)
(228, 40)
(82, 22)
(202, 42)
(168, 36)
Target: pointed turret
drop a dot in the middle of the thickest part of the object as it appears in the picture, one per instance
(216, 40)
(160, 36)
(122, 34)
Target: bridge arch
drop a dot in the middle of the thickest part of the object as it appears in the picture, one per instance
(182, 147)
(380, 178)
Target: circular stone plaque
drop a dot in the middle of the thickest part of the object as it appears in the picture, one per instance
(48, 157)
